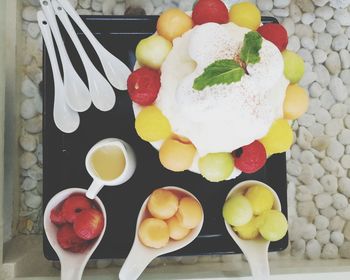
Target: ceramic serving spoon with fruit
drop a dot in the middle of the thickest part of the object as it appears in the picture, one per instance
(244, 210)
(169, 219)
(76, 223)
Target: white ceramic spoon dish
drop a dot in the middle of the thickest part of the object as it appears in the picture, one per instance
(256, 251)
(102, 93)
(116, 71)
(140, 255)
(72, 264)
(77, 94)
(64, 117)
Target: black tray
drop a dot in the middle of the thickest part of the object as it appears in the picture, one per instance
(64, 155)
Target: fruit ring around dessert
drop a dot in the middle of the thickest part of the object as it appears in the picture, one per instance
(215, 91)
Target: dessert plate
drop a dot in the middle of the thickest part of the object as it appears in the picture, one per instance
(64, 154)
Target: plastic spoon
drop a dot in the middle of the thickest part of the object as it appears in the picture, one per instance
(256, 251)
(140, 255)
(116, 71)
(77, 94)
(64, 117)
(72, 264)
(102, 93)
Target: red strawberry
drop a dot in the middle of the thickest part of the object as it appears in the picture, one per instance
(210, 11)
(67, 238)
(89, 224)
(56, 217)
(251, 158)
(276, 34)
(73, 206)
(144, 85)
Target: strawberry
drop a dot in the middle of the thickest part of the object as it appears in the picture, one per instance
(144, 85)
(56, 217)
(250, 158)
(210, 11)
(73, 206)
(89, 224)
(67, 238)
(276, 34)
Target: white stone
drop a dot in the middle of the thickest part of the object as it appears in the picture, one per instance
(339, 4)
(29, 13)
(119, 9)
(29, 89)
(307, 209)
(309, 77)
(84, 12)
(333, 63)
(306, 175)
(328, 164)
(347, 231)
(293, 168)
(27, 160)
(345, 213)
(345, 74)
(337, 238)
(335, 150)
(338, 111)
(295, 151)
(316, 130)
(289, 25)
(342, 16)
(302, 30)
(28, 109)
(340, 42)
(318, 170)
(309, 232)
(315, 187)
(33, 30)
(320, 3)
(329, 251)
(96, 6)
(333, 127)
(333, 27)
(321, 222)
(325, 12)
(36, 172)
(344, 250)
(319, 55)
(308, 18)
(303, 194)
(280, 12)
(323, 200)
(314, 103)
(340, 201)
(322, 116)
(298, 248)
(307, 157)
(39, 153)
(329, 212)
(336, 224)
(323, 76)
(295, 12)
(345, 61)
(319, 25)
(281, 3)
(74, 3)
(34, 125)
(27, 142)
(313, 249)
(329, 183)
(304, 138)
(85, 4)
(347, 122)
(307, 43)
(344, 186)
(323, 236)
(305, 5)
(345, 161)
(296, 228)
(186, 5)
(307, 120)
(29, 184)
(344, 137)
(32, 200)
(324, 41)
(293, 43)
(35, 3)
(327, 100)
(107, 7)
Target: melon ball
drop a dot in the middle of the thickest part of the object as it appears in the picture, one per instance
(190, 212)
(163, 204)
(248, 231)
(237, 210)
(176, 230)
(274, 225)
(154, 233)
(295, 103)
(216, 167)
(173, 23)
(294, 67)
(245, 14)
(176, 155)
(260, 198)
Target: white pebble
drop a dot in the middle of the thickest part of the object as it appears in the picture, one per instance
(325, 12)
(329, 183)
(309, 77)
(303, 194)
(293, 168)
(309, 232)
(296, 228)
(329, 251)
(333, 63)
(344, 250)
(27, 160)
(328, 164)
(36, 172)
(344, 137)
(318, 170)
(96, 6)
(345, 75)
(119, 9)
(340, 201)
(108, 6)
(32, 200)
(340, 42)
(319, 55)
(315, 187)
(27, 142)
(280, 12)
(335, 150)
(307, 43)
(264, 5)
(304, 138)
(347, 121)
(338, 111)
(308, 18)
(345, 161)
(342, 16)
(289, 25)
(327, 100)
(306, 175)
(345, 213)
(295, 151)
(329, 212)
(339, 4)
(29, 13)
(307, 157)
(281, 3)
(313, 249)
(307, 209)
(333, 127)
(316, 130)
(345, 61)
(34, 125)
(323, 200)
(323, 236)
(337, 238)
(347, 231)
(307, 120)
(323, 76)
(321, 222)
(319, 25)
(344, 186)
(29, 184)
(186, 5)
(295, 12)
(320, 3)
(84, 12)
(314, 103)
(302, 30)
(324, 41)
(333, 27)
(323, 116)
(29, 89)
(39, 153)
(336, 224)
(293, 43)
(28, 109)
(85, 4)
(298, 247)
(33, 30)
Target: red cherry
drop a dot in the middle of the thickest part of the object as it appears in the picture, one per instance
(251, 157)
(73, 206)
(89, 224)
(275, 33)
(210, 11)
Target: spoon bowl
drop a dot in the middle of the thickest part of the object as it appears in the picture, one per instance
(72, 264)
(140, 255)
(256, 250)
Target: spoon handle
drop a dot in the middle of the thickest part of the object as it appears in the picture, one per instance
(70, 272)
(259, 266)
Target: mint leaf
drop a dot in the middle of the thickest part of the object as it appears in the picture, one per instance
(225, 71)
(251, 47)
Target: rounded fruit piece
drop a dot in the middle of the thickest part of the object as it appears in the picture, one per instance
(154, 233)
(295, 103)
(248, 231)
(176, 155)
(250, 158)
(152, 51)
(294, 67)
(176, 230)
(275, 33)
(216, 167)
(89, 224)
(260, 198)
(237, 210)
(163, 204)
(73, 206)
(151, 125)
(173, 23)
(274, 225)
(279, 138)
(205, 11)
(67, 238)
(190, 212)
(245, 14)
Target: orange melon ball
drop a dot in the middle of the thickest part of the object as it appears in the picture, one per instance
(163, 204)
(190, 212)
(177, 155)
(154, 233)
(176, 230)
(173, 23)
(295, 103)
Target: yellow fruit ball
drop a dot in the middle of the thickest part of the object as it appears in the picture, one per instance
(173, 23)
(190, 212)
(294, 66)
(274, 225)
(151, 125)
(260, 198)
(163, 204)
(154, 233)
(245, 14)
(248, 231)
(279, 138)
(295, 103)
(176, 155)
(176, 230)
